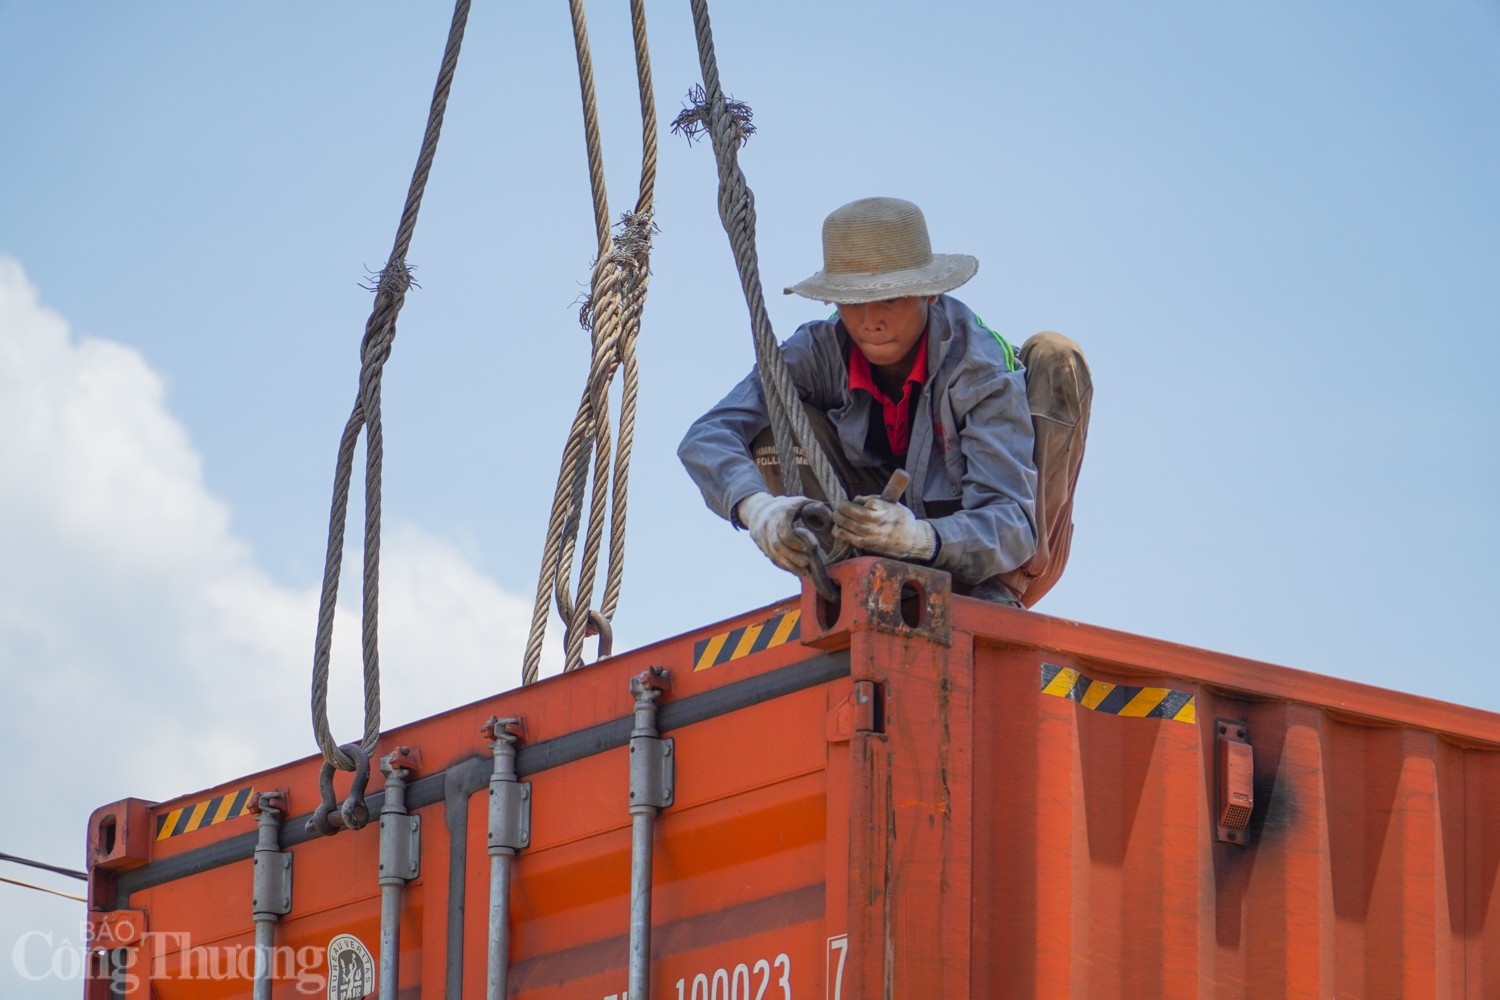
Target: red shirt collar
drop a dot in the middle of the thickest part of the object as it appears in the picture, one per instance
(896, 414)
(860, 376)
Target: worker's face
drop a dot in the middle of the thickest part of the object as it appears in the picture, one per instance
(886, 331)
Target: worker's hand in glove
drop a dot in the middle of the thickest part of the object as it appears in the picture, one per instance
(770, 521)
(885, 527)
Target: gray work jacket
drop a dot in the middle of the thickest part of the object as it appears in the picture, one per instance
(971, 438)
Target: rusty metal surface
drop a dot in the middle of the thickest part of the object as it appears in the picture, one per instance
(898, 598)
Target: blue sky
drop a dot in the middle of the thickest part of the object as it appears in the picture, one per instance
(1272, 228)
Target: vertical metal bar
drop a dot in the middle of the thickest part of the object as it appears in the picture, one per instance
(265, 935)
(497, 983)
(400, 862)
(390, 940)
(459, 784)
(272, 887)
(509, 832)
(650, 790)
(642, 828)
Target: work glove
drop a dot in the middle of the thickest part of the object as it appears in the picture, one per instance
(885, 527)
(770, 521)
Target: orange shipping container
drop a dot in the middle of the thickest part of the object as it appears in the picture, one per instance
(902, 795)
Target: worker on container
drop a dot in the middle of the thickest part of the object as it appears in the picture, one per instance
(903, 376)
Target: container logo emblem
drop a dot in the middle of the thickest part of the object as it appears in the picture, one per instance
(351, 971)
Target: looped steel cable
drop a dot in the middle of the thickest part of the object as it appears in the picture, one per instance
(728, 126)
(390, 289)
(612, 314)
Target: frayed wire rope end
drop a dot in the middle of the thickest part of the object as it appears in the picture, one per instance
(693, 121)
(395, 278)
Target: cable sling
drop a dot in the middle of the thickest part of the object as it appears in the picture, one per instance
(612, 315)
(390, 289)
(728, 126)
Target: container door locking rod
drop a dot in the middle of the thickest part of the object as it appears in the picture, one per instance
(271, 894)
(509, 832)
(400, 861)
(651, 781)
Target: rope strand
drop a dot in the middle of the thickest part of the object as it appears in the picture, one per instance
(728, 126)
(375, 349)
(612, 314)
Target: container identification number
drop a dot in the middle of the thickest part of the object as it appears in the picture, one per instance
(765, 980)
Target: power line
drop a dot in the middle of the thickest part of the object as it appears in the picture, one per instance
(28, 885)
(70, 872)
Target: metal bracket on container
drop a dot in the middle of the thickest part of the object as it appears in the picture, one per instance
(400, 831)
(271, 894)
(510, 799)
(860, 712)
(1235, 787)
(510, 808)
(652, 770)
(401, 848)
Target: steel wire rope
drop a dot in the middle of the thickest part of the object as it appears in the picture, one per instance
(612, 313)
(728, 128)
(634, 249)
(390, 290)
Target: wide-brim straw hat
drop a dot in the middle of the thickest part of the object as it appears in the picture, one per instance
(877, 248)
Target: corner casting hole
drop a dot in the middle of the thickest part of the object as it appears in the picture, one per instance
(107, 836)
(828, 613)
(913, 604)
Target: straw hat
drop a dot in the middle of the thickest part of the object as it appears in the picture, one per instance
(877, 248)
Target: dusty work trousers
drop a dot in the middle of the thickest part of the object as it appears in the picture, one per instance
(1060, 392)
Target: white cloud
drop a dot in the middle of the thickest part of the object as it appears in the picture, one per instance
(143, 651)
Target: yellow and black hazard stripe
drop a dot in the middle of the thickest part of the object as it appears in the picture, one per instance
(1118, 699)
(186, 819)
(740, 642)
